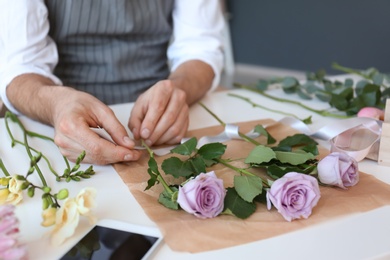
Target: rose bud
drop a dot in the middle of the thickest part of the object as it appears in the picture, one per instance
(338, 169)
(294, 195)
(371, 112)
(202, 196)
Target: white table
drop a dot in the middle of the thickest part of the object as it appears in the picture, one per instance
(358, 236)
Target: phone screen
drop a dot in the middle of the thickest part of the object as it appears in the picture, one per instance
(108, 243)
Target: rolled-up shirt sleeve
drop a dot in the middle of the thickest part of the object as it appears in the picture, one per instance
(25, 46)
(198, 35)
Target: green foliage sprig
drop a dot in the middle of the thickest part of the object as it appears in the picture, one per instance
(71, 173)
(345, 96)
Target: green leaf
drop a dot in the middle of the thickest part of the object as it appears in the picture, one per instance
(234, 204)
(248, 187)
(262, 84)
(197, 164)
(152, 180)
(176, 167)
(167, 199)
(289, 84)
(348, 83)
(153, 165)
(323, 96)
(212, 150)
(304, 94)
(295, 158)
(297, 139)
(262, 131)
(338, 102)
(378, 78)
(186, 148)
(260, 154)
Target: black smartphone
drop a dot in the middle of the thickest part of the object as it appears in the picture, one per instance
(111, 239)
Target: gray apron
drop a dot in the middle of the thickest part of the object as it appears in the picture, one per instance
(113, 49)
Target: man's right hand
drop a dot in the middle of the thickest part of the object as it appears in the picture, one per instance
(72, 113)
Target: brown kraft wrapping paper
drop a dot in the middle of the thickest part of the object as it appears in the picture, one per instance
(185, 232)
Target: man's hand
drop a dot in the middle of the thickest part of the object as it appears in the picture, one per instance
(72, 113)
(160, 115)
(72, 118)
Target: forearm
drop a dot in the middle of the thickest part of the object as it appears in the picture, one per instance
(194, 77)
(33, 95)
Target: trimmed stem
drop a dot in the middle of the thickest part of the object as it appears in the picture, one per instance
(283, 100)
(263, 107)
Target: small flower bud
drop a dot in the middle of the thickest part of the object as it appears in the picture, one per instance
(62, 194)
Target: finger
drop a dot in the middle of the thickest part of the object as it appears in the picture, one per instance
(172, 122)
(98, 150)
(176, 132)
(157, 106)
(136, 116)
(116, 130)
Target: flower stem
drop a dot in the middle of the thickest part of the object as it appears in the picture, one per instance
(243, 136)
(2, 166)
(15, 119)
(159, 177)
(337, 66)
(260, 106)
(283, 100)
(26, 145)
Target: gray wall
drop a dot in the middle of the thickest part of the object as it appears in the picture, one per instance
(308, 35)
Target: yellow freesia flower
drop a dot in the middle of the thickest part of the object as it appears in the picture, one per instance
(3, 196)
(49, 217)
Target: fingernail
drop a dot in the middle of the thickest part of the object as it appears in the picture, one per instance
(128, 141)
(145, 133)
(128, 157)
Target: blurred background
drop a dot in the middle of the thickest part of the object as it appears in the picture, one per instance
(279, 38)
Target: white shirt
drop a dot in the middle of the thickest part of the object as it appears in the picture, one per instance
(26, 47)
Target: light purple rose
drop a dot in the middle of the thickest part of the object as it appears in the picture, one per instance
(338, 169)
(202, 196)
(294, 195)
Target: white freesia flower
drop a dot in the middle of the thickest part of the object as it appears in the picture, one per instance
(86, 201)
(67, 219)
(15, 191)
(68, 216)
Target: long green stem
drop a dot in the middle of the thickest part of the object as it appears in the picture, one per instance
(337, 66)
(43, 156)
(283, 100)
(2, 166)
(14, 118)
(243, 136)
(263, 107)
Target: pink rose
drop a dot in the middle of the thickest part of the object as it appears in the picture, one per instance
(202, 196)
(9, 246)
(338, 169)
(294, 195)
(371, 112)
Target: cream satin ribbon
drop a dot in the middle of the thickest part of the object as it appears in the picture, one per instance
(359, 136)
